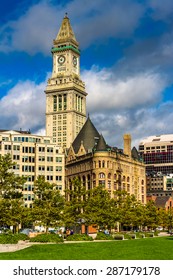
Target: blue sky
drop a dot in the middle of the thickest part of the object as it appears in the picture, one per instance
(126, 63)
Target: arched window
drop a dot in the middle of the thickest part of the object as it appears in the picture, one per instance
(100, 164)
(128, 179)
(84, 181)
(109, 175)
(115, 176)
(101, 175)
(124, 178)
(103, 164)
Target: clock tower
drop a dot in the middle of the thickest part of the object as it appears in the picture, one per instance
(65, 91)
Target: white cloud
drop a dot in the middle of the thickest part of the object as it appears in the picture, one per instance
(24, 107)
(35, 30)
(127, 105)
(108, 93)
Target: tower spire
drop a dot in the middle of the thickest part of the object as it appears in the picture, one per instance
(65, 34)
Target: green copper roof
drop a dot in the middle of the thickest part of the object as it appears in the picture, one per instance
(65, 48)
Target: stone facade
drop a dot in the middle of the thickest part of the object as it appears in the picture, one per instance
(65, 91)
(104, 165)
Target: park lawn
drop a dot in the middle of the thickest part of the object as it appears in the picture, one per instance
(158, 248)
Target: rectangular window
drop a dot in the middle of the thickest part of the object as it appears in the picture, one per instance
(60, 102)
(58, 159)
(16, 148)
(49, 168)
(65, 102)
(41, 168)
(7, 147)
(50, 159)
(40, 158)
(16, 157)
(41, 149)
(58, 168)
(54, 103)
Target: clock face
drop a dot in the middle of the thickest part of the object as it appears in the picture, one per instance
(74, 60)
(61, 59)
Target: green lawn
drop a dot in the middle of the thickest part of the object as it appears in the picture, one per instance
(158, 248)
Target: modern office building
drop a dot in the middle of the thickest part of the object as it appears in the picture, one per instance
(65, 91)
(157, 154)
(159, 185)
(96, 163)
(34, 155)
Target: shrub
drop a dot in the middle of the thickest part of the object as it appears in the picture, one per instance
(132, 236)
(22, 236)
(103, 236)
(8, 239)
(119, 237)
(79, 237)
(149, 234)
(44, 238)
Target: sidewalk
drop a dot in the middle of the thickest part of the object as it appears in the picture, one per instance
(13, 247)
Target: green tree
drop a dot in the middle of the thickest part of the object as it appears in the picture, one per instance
(99, 208)
(10, 194)
(10, 184)
(75, 203)
(151, 217)
(48, 204)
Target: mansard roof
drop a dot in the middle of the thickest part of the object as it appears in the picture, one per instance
(88, 136)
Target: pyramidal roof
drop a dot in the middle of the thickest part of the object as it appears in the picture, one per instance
(88, 136)
(66, 33)
(101, 145)
(135, 153)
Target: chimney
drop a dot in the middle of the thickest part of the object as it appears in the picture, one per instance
(127, 144)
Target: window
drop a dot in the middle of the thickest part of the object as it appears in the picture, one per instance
(49, 168)
(28, 168)
(54, 103)
(7, 147)
(58, 168)
(58, 178)
(41, 149)
(16, 148)
(59, 187)
(58, 159)
(16, 157)
(41, 158)
(50, 150)
(101, 175)
(50, 159)
(16, 167)
(41, 168)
